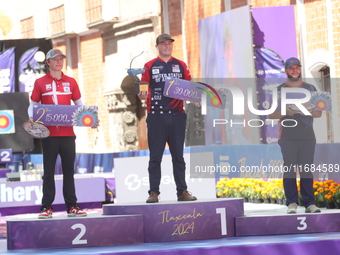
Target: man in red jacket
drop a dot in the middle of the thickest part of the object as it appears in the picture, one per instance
(58, 89)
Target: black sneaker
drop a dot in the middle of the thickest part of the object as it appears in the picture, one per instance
(46, 212)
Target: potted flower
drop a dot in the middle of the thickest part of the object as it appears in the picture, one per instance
(336, 198)
(281, 197)
(319, 198)
(329, 200)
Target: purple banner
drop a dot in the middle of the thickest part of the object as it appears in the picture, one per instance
(20, 194)
(221, 63)
(5, 156)
(7, 70)
(192, 91)
(272, 47)
(27, 71)
(270, 72)
(183, 89)
(65, 115)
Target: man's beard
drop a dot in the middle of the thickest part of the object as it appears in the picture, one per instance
(291, 78)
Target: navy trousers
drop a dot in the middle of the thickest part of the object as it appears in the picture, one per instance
(66, 148)
(162, 129)
(298, 155)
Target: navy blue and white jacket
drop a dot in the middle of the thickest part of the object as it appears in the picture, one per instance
(155, 74)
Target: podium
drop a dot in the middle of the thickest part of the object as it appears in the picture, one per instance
(170, 221)
(183, 221)
(128, 224)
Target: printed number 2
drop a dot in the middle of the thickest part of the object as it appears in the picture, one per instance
(5, 156)
(80, 235)
(223, 214)
(303, 224)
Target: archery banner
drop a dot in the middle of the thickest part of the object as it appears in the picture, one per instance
(7, 71)
(28, 71)
(7, 125)
(270, 57)
(65, 115)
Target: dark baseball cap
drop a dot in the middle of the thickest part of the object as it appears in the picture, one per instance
(292, 61)
(162, 38)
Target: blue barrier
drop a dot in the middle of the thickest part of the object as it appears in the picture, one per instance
(237, 157)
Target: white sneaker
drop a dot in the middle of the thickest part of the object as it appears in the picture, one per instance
(312, 209)
(292, 207)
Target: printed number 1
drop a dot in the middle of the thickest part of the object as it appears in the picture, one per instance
(223, 215)
(80, 235)
(171, 83)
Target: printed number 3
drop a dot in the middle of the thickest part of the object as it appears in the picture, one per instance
(303, 224)
(80, 235)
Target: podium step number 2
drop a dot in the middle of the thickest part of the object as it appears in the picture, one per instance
(64, 232)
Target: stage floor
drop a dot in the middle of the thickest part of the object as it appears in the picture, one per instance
(309, 244)
(272, 245)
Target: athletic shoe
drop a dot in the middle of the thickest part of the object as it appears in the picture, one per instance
(292, 207)
(46, 212)
(75, 211)
(312, 209)
(153, 197)
(186, 196)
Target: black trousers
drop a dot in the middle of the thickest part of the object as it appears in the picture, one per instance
(162, 129)
(65, 147)
(298, 155)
